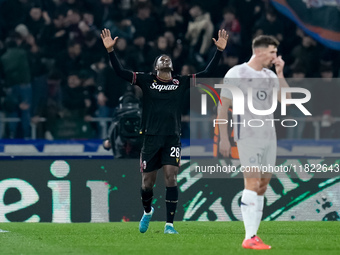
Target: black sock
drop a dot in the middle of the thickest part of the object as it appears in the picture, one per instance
(147, 196)
(171, 199)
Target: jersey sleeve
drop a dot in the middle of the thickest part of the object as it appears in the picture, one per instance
(230, 78)
(141, 79)
(120, 71)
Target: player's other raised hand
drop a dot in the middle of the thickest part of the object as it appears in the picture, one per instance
(108, 42)
(279, 65)
(222, 40)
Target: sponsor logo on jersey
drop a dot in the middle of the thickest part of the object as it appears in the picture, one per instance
(163, 87)
(261, 95)
(175, 81)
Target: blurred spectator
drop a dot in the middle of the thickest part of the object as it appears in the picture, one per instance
(137, 59)
(14, 12)
(229, 60)
(2, 100)
(88, 19)
(14, 65)
(47, 104)
(122, 51)
(160, 48)
(35, 21)
(92, 48)
(175, 23)
(106, 10)
(269, 25)
(37, 61)
(214, 7)
(72, 25)
(65, 5)
(75, 113)
(54, 36)
(144, 23)
(88, 78)
(232, 26)
(21, 35)
(298, 80)
(70, 60)
(200, 30)
(110, 88)
(247, 13)
(307, 54)
(171, 40)
(326, 102)
(123, 28)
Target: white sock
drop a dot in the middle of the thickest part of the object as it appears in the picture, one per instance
(148, 213)
(169, 224)
(248, 209)
(259, 211)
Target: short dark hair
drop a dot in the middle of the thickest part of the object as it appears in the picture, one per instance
(265, 41)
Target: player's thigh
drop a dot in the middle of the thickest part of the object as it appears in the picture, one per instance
(151, 154)
(250, 153)
(269, 161)
(270, 154)
(171, 153)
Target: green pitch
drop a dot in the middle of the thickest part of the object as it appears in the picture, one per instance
(194, 238)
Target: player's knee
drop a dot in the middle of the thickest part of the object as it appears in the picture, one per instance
(170, 180)
(147, 182)
(147, 185)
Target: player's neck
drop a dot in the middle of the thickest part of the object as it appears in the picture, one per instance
(253, 63)
(164, 75)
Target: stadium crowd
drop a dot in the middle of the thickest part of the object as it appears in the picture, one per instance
(53, 64)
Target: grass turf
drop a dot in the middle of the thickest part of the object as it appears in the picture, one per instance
(194, 238)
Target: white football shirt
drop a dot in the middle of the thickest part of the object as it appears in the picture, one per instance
(262, 83)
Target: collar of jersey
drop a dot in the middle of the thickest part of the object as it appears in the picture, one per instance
(159, 78)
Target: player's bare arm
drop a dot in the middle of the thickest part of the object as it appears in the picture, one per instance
(108, 42)
(222, 40)
(223, 129)
(279, 65)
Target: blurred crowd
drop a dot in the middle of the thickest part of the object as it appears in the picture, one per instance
(55, 73)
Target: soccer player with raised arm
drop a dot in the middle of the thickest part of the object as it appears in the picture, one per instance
(161, 124)
(256, 145)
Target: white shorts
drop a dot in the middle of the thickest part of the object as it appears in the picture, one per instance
(257, 152)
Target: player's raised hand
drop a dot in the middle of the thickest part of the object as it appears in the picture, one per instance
(222, 40)
(108, 42)
(279, 64)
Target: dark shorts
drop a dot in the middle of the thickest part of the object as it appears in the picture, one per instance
(160, 150)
